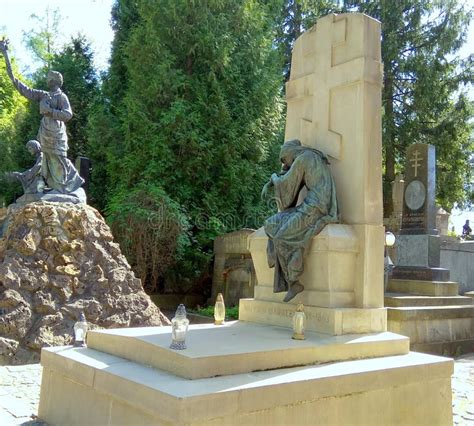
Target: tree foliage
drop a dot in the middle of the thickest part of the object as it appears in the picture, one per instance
(12, 110)
(41, 40)
(152, 231)
(199, 111)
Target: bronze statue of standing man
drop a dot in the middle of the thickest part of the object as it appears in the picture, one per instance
(58, 172)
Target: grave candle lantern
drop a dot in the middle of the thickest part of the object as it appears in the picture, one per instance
(299, 323)
(219, 310)
(179, 327)
(80, 330)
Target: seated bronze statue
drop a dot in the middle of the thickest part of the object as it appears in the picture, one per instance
(291, 230)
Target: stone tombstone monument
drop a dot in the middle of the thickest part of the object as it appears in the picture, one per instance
(418, 245)
(398, 186)
(334, 105)
(419, 211)
(233, 275)
(84, 167)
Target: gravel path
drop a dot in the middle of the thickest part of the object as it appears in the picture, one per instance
(20, 388)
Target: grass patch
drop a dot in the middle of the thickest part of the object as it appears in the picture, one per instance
(230, 313)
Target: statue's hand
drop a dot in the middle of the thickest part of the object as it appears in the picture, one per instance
(45, 108)
(4, 42)
(265, 189)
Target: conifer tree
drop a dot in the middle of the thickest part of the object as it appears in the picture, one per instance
(196, 111)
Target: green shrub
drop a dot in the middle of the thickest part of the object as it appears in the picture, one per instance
(151, 229)
(231, 313)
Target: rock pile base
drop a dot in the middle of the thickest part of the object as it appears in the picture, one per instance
(56, 260)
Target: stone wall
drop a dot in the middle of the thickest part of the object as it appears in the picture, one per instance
(458, 257)
(233, 275)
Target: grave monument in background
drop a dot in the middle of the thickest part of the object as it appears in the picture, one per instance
(422, 302)
(252, 371)
(418, 245)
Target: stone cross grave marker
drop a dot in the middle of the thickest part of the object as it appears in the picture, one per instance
(419, 212)
(418, 245)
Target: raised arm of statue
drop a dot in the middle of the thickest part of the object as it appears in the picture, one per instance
(27, 92)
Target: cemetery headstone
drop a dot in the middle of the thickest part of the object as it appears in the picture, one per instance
(418, 245)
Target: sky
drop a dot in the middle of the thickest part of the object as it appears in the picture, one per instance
(88, 17)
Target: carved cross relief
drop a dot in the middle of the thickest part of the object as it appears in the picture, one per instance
(341, 62)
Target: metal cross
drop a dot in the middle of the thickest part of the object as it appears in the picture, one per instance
(416, 161)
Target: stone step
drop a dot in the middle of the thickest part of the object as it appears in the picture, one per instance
(403, 300)
(82, 386)
(432, 328)
(332, 321)
(430, 312)
(423, 288)
(451, 348)
(239, 347)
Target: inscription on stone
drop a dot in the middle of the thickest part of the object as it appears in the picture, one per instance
(320, 317)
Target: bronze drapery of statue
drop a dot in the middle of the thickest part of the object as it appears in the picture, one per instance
(291, 230)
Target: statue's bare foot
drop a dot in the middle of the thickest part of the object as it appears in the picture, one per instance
(295, 288)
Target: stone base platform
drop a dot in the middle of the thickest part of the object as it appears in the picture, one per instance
(395, 300)
(333, 321)
(423, 288)
(445, 330)
(239, 347)
(420, 273)
(84, 386)
(76, 197)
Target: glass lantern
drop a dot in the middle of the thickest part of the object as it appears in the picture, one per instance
(299, 323)
(80, 330)
(179, 327)
(389, 239)
(388, 264)
(219, 310)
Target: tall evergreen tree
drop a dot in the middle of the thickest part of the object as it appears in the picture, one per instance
(12, 109)
(106, 122)
(200, 108)
(423, 78)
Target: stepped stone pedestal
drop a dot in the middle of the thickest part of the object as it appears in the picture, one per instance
(422, 303)
(333, 295)
(243, 373)
(432, 314)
